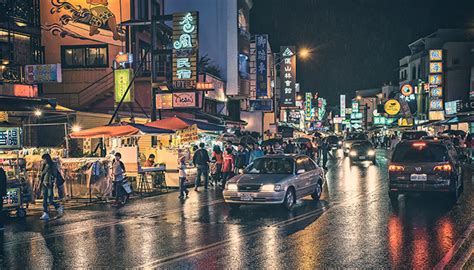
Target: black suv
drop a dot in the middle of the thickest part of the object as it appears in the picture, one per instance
(413, 135)
(425, 166)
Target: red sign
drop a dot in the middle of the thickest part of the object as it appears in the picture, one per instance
(23, 90)
(407, 90)
(184, 100)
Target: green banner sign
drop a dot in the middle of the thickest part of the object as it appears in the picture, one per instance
(123, 77)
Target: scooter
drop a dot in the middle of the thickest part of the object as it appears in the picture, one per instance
(126, 190)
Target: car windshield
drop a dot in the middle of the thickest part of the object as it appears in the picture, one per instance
(356, 136)
(429, 153)
(271, 166)
(361, 146)
(413, 135)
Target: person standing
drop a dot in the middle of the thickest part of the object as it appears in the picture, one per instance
(227, 166)
(218, 159)
(201, 161)
(183, 191)
(325, 151)
(255, 153)
(241, 158)
(269, 150)
(48, 175)
(118, 170)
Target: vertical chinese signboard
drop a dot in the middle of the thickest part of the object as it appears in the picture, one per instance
(123, 78)
(288, 76)
(436, 108)
(307, 106)
(261, 68)
(343, 106)
(185, 50)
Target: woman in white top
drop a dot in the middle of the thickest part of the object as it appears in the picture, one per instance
(183, 191)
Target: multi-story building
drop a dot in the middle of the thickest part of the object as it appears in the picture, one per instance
(224, 38)
(19, 44)
(457, 47)
(87, 47)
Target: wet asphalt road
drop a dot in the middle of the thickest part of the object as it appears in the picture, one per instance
(353, 225)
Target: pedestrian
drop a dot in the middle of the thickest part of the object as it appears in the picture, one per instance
(183, 190)
(469, 146)
(269, 150)
(150, 162)
(277, 148)
(325, 152)
(255, 153)
(3, 192)
(48, 177)
(217, 157)
(241, 158)
(291, 147)
(201, 161)
(227, 166)
(118, 171)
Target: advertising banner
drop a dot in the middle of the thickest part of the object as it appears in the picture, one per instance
(288, 76)
(308, 106)
(164, 101)
(185, 100)
(187, 135)
(343, 106)
(10, 137)
(43, 73)
(123, 78)
(261, 66)
(185, 50)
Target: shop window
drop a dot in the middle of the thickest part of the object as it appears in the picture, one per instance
(244, 66)
(84, 56)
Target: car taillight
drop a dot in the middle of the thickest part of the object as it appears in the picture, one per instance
(396, 168)
(443, 168)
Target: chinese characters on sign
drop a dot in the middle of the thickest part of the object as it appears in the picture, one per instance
(343, 106)
(288, 76)
(435, 83)
(122, 81)
(307, 106)
(261, 68)
(185, 50)
(10, 137)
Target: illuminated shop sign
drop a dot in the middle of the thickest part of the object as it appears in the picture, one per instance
(288, 76)
(261, 66)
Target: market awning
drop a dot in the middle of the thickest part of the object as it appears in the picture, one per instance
(118, 130)
(177, 123)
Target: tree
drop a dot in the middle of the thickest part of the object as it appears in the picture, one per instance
(205, 65)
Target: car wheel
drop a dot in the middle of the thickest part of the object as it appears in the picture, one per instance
(317, 192)
(289, 201)
(234, 206)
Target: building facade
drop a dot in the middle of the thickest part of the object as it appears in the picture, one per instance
(87, 47)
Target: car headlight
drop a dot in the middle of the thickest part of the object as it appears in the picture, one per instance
(339, 142)
(270, 188)
(232, 187)
(353, 153)
(371, 153)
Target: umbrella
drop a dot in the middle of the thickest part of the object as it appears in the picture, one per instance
(302, 140)
(118, 130)
(229, 138)
(271, 142)
(248, 140)
(177, 123)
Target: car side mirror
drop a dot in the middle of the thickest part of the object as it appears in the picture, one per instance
(300, 171)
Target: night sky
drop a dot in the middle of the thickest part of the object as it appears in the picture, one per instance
(356, 43)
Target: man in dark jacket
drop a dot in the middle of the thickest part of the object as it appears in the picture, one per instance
(201, 161)
(241, 158)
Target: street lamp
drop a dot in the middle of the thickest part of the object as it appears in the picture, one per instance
(38, 112)
(76, 128)
(358, 97)
(304, 53)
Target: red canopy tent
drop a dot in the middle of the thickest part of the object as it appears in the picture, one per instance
(173, 123)
(118, 130)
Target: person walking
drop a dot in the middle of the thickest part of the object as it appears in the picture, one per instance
(201, 161)
(118, 171)
(183, 190)
(227, 166)
(241, 158)
(217, 157)
(325, 151)
(49, 173)
(255, 152)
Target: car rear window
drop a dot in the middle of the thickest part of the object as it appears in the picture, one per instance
(429, 153)
(413, 135)
(356, 136)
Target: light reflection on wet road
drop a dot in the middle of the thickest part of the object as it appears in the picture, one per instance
(352, 226)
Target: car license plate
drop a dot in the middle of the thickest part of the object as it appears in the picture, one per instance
(246, 197)
(361, 157)
(418, 177)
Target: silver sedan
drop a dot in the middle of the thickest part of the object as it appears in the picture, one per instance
(276, 179)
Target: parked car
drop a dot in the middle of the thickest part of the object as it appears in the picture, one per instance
(334, 142)
(413, 135)
(353, 138)
(362, 151)
(425, 166)
(276, 179)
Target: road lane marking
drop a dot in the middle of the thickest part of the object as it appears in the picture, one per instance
(454, 249)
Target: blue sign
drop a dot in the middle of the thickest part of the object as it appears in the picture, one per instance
(261, 68)
(261, 105)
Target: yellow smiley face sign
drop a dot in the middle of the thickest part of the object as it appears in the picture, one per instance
(392, 107)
